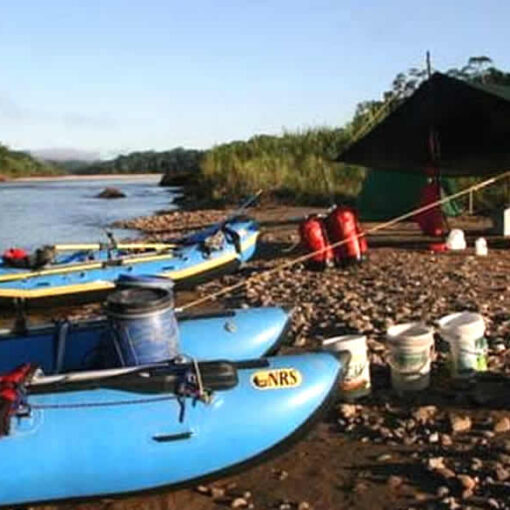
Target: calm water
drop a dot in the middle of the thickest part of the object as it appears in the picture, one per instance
(47, 212)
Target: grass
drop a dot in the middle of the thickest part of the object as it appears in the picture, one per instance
(296, 166)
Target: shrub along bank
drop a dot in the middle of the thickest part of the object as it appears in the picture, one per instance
(20, 164)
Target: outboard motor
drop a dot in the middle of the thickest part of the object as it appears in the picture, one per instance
(143, 325)
(314, 238)
(342, 225)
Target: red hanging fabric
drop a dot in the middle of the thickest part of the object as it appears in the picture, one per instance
(432, 221)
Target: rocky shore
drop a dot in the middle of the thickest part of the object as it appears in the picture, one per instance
(447, 447)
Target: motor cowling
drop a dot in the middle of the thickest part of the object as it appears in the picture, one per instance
(314, 239)
(343, 227)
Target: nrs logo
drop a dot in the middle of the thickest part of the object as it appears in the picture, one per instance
(276, 379)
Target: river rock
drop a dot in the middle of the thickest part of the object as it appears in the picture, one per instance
(435, 463)
(239, 503)
(111, 193)
(460, 423)
(348, 410)
(217, 492)
(394, 482)
(502, 474)
(424, 414)
(467, 482)
(502, 425)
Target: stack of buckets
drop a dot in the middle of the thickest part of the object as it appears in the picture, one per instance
(411, 350)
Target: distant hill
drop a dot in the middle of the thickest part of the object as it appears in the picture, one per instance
(71, 166)
(21, 164)
(64, 154)
(175, 161)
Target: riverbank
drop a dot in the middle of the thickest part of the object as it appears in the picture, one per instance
(444, 448)
(83, 177)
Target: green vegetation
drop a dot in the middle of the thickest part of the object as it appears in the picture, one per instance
(20, 164)
(172, 161)
(298, 165)
(295, 165)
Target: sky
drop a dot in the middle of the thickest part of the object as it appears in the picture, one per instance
(103, 77)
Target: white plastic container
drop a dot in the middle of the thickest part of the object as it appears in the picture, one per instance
(456, 240)
(506, 222)
(356, 382)
(481, 247)
(465, 331)
(411, 346)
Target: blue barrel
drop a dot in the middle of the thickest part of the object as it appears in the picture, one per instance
(143, 325)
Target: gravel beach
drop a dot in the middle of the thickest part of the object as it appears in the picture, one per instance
(447, 447)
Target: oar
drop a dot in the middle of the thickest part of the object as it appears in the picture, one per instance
(120, 246)
(91, 376)
(249, 201)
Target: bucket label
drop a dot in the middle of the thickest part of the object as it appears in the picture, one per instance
(467, 361)
(276, 379)
(410, 361)
(357, 376)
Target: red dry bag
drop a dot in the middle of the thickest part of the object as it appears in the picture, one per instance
(342, 226)
(15, 257)
(314, 239)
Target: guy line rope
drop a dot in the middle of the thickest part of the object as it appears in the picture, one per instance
(303, 258)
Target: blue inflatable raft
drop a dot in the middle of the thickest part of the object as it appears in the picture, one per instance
(106, 433)
(83, 345)
(90, 271)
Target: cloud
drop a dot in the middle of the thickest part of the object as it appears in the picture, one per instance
(63, 154)
(13, 112)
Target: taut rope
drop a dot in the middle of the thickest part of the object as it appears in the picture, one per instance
(377, 228)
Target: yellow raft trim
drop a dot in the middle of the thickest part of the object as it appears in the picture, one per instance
(71, 268)
(120, 246)
(57, 291)
(105, 285)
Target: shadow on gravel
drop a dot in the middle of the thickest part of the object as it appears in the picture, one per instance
(272, 250)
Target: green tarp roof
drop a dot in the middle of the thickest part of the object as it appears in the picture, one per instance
(472, 123)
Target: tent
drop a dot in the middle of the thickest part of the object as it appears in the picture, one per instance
(388, 194)
(470, 122)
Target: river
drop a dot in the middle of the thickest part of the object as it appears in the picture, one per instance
(33, 213)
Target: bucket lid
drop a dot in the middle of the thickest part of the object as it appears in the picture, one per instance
(144, 281)
(415, 332)
(138, 300)
(462, 323)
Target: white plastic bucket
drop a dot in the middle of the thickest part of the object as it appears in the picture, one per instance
(456, 240)
(411, 345)
(481, 247)
(356, 382)
(464, 331)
